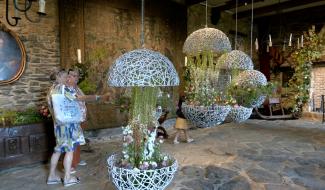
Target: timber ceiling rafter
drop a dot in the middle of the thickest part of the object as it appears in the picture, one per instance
(262, 8)
(275, 8)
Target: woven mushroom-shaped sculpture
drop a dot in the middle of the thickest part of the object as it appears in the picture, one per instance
(142, 67)
(235, 60)
(206, 40)
(251, 79)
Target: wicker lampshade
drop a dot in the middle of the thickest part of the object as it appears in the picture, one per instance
(235, 60)
(206, 39)
(142, 67)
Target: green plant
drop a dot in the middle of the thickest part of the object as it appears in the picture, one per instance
(245, 96)
(22, 117)
(165, 100)
(140, 148)
(123, 102)
(7, 116)
(200, 76)
(87, 86)
(92, 72)
(302, 64)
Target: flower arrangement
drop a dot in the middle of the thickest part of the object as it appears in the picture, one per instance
(45, 112)
(22, 117)
(140, 148)
(302, 64)
(92, 72)
(246, 96)
(205, 82)
(147, 71)
(151, 157)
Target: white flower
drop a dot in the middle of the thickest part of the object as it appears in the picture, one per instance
(161, 141)
(126, 156)
(146, 163)
(136, 170)
(165, 158)
(154, 164)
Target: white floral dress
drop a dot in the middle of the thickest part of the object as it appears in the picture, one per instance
(68, 136)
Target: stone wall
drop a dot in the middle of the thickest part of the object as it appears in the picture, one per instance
(41, 41)
(110, 25)
(115, 26)
(317, 85)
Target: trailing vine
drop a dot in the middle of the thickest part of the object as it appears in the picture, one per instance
(302, 63)
(201, 76)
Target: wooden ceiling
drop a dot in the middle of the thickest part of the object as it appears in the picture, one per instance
(261, 8)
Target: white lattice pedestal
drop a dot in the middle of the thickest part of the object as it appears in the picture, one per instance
(203, 117)
(136, 179)
(239, 114)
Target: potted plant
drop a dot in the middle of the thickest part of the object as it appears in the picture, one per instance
(141, 165)
(204, 80)
(28, 135)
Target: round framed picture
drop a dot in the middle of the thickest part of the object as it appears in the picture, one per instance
(12, 56)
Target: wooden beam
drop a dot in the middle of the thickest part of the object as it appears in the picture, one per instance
(232, 4)
(309, 16)
(192, 2)
(275, 8)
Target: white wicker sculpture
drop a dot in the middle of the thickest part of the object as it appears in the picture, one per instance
(239, 114)
(135, 179)
(251, 79)
(206, 39)
(235, 60)
(142, 67)
(205, 116)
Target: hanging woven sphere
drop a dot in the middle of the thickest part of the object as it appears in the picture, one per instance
(239, 114)
(250, 79)
(142, 67)
(208, 116)
(206, 39)
(235, 60)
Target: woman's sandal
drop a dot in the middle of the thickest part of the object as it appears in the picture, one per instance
(72, 181)
(54, 181)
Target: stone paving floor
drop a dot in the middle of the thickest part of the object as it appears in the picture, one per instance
(255, 155)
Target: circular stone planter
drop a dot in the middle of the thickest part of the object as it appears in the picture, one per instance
(136, 179)
(203, 117)
(239, 114)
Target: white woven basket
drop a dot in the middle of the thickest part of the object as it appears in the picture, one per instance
(239, 114)
(136, 179)
(203, 117)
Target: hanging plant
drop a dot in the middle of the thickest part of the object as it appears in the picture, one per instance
(205, 81)
(302, 64)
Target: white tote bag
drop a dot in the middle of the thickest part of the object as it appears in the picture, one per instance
(65, 110)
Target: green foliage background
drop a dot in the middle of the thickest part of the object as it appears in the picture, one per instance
(302, 60)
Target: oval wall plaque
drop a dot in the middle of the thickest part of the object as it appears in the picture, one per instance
(12, 56)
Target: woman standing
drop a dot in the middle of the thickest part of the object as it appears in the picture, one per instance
(68, 135)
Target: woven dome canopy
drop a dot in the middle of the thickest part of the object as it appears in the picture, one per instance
(235, 60)
(142, 67)
(251, 78)
(206, 39)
